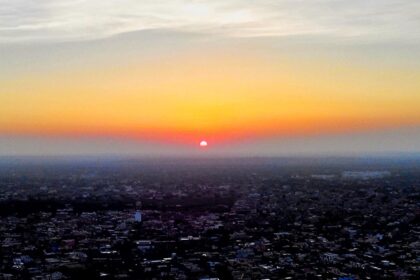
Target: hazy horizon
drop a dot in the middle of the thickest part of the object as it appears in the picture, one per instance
(281, 78)
(401, 141)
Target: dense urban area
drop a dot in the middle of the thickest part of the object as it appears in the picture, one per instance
(210, 219)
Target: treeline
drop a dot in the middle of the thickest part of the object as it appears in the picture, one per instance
(36, 205)
(25, 207)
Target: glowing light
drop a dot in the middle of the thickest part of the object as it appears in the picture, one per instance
(203, 143)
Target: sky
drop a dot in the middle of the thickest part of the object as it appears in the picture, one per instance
(139, 77)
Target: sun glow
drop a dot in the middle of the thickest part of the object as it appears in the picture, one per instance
(203, 143)
(182, 96)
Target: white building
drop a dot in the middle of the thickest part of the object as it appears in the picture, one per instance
(137, 217)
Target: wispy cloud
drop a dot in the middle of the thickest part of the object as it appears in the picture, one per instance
(67, 20)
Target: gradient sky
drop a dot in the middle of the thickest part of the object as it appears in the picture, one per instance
(155, 77)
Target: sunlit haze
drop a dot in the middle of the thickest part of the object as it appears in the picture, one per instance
(157, 77)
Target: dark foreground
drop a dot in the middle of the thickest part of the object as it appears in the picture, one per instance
(191, 219)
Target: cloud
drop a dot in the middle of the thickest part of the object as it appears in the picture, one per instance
(75, 20)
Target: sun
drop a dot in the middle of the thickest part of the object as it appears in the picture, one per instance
(203, 143)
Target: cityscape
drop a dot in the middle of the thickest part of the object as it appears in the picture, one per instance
(210, 219)
(210, 139)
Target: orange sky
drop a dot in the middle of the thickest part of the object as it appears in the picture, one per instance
(228, 71)
(219, 95)
(183, 90)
